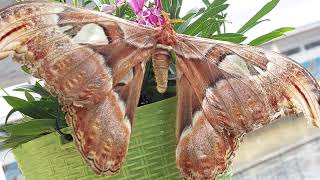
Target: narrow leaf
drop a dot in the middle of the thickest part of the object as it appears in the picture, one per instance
(197, 26)
(272, 35)
(217, 2)
(9, 114)
(230, 37)
(180, 28)
(29, 97)
(32, 127)
(15, 102)
(14, 141)
(35, 109)
(37, 88)
(25, 69)
(165, 5)
(206, 2)
(76, 3)
(173, 9)
(253, 21)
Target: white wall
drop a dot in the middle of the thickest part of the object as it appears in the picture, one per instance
(298, 40)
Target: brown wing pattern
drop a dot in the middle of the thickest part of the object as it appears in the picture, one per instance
(92, 61)
(95, 63)
(227, 90)
(204, 149)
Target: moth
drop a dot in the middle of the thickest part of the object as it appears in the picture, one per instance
(94, 63)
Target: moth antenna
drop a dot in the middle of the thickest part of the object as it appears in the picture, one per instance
(170, 21)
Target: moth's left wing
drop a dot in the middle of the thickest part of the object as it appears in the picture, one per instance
(226, 90)
(92, 61)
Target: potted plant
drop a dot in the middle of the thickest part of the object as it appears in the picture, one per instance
(40, 140)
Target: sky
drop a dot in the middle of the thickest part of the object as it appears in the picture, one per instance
(288, 13)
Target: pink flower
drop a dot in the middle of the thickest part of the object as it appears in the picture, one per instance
(110, 8)
(158, 4)
(151, 16)
(136, 5)
(120, 2)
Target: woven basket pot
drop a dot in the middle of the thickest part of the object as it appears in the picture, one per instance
(151, 152)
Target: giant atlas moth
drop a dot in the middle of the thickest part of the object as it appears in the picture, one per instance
(224, 90)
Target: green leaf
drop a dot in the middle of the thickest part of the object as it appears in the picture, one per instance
(3, 136)
(86, 2)
(37, 88)
(200, 23)
(21, 103)
(255, 19)
(35, 109)
(178, 9)
(172, 67)
(29, 97)
(14, 101)
(172, 7)
(9, 114)
(180, 28)
(206, 2)
(230, 37)
(272, 35)
(166, 5)
(210, 28)
(217, 2)
(25, 69)
(213, 26)
(76, 3)
(14, 141)
(31, 127)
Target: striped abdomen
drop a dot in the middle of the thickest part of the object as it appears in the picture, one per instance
(160, 63)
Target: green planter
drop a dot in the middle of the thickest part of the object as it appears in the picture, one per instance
(151, 152)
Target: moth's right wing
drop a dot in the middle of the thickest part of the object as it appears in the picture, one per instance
(226, 90)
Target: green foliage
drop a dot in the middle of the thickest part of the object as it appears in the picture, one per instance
(231, 37)
(37, 89)
(33, 109)
(207, 17)
(172, 7)
(210, 22)
(14, 141)
(30, 127)
(256, 19)
(272, 35)
(39, 109)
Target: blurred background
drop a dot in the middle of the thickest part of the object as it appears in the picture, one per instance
(288, 149)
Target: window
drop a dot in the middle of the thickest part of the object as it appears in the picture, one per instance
(291, 51)
(312, 45)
